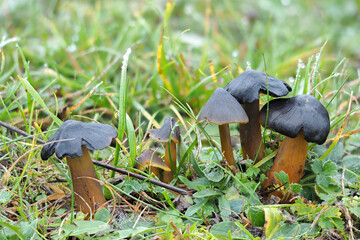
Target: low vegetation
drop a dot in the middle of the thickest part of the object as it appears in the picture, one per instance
(135, 65)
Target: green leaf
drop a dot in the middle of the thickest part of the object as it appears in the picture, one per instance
(227, 229)
(102, 215)
(5, 196)
(214, 173)
(224, 207)
(317, 166)
(188, 183)
(295, 188)
(15, 229)
(282, 177)
(329, 169)
(257, 216)
(194, 208)
(81, 227)
(207, 193)
(126, 233)
(130, 133)
(272, 221)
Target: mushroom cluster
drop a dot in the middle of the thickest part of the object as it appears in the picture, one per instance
(169, 134)
(301, 119)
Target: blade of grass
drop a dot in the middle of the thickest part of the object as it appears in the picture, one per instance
(122, 107)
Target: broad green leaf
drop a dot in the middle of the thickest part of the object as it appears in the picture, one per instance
(214, 173)
(227, 229)
(224, 207)
(5, 196)
(194, 208)
(282, 176)
(257, 216)
(102, 215)
(15, 229)
(272, 221)
(126, 233)
(81, 227)
(207, 193)
(188, 183)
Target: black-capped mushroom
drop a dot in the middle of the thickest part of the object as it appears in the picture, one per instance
(222, 109)
(301, 119)
(72, 140)
(149, 159)
(169, 131)
(246, 88)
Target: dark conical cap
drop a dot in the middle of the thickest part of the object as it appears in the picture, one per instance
(93, 135)
(289, 116)
(163, 134)
(149, 158)
(247, 87)
(222, 108)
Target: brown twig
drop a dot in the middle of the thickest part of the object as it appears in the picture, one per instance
(104, 165)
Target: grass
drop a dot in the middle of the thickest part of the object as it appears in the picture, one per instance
(62, 60)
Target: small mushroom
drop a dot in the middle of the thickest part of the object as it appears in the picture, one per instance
(222, 109)
(148, 159)
(246, 88)
(72, 140)
(302, 119)
(162, 135)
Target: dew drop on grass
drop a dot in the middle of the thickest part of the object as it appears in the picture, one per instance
(248, 65)
(291, 79)
(72, 48)
(301, 64)
(235, 53)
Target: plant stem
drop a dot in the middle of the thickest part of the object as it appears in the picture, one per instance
(87, 189)
(226, 147)
(170, 160)
(291, 159)
(250, 133)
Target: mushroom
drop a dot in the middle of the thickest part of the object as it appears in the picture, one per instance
(302, 119)
(162, 135)
(222, 109)
(72, 140)
(148, 159)
(246, 88)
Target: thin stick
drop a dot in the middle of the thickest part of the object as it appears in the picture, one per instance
(104, 165)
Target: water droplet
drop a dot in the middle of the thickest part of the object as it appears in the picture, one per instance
(72, 48)
(188, 9)
(285, 2)
(248, 65)
(301, 64)
(235, 53)
(291, 79)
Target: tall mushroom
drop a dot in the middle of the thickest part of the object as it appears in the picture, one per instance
(222, 109)
(149, 159)
(302, 119)
(168, 132)
(246, 88)
(72, 140)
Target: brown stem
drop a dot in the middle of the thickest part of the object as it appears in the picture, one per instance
(226, 147)
(250, 133)
(291, 159)
(168, 176)
(87, 189)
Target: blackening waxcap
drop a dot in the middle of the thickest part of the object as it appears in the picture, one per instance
(94, 136)
(289, 116)
(169, 128)
(222, 108)
(247, 87)
(149, 158)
